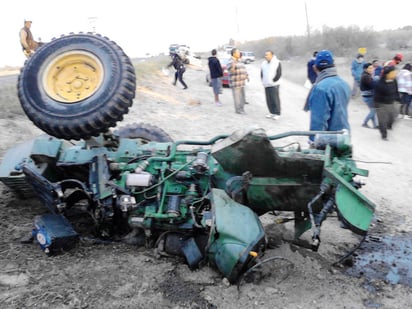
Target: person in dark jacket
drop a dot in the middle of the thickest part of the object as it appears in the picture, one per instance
(366, 87)
(385, 95)
(216, 74)
(177, 63)
(311, 73)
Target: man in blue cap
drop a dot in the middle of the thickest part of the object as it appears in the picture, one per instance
(329, 97)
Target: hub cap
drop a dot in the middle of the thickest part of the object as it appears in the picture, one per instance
(73, 76)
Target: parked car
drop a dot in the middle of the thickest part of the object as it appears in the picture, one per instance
(247, 57)
(225, 78)
(186, 54)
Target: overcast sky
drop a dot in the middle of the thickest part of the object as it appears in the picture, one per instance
(141, 27)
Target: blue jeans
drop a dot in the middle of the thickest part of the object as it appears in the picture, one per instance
(405, 102)
(372, 111)
(355, 87)
(216, 85)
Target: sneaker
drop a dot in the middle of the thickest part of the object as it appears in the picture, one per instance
(219, 104)
(276, 117)
(365, 125)
(269, 116)
(385, 138)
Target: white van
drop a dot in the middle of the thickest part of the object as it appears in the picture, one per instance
(247, 56)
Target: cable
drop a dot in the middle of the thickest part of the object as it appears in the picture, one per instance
(349, 253)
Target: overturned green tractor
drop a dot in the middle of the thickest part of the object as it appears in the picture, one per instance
(197, 199)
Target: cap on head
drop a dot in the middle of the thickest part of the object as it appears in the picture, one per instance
(324, 59)
(28, 20)
(398, 57)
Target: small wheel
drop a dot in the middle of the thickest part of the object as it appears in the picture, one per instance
(143, 131)
(77, 86)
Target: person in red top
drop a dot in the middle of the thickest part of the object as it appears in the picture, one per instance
(395, 60)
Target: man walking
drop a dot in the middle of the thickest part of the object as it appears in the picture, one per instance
(270, 73)
(237, 80)
(177, 63)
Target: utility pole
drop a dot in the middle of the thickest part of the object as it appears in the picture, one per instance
(237, 23)
(92, 23)
(307, 21)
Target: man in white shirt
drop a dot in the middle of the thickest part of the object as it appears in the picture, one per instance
(271, 72)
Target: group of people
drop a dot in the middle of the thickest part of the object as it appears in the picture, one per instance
(271, 72)
(328, 99)
(381, 87)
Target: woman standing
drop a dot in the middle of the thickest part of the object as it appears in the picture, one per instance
(385, 95)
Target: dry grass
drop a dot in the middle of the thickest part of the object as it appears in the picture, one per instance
(295, 70)
(149, 67)
(9, 102)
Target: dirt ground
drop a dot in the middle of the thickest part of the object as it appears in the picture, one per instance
(120, 276)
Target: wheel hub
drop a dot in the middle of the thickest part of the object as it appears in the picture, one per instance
(73, 76)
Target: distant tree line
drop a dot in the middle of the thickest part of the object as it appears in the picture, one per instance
(342, 41)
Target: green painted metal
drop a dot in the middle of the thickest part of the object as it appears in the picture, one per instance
(212, 189)
(236, 232)
(355, 209)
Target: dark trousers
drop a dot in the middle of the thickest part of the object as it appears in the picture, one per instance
(179, 76)
(272, 99)
(386, 117)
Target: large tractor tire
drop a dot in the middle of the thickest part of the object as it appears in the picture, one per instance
(77, 86)
(144, 132)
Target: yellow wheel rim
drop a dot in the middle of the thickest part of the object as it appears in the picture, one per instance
(73, 76)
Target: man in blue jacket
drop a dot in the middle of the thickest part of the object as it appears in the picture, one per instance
(329, 97)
